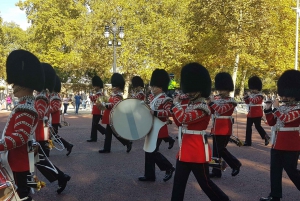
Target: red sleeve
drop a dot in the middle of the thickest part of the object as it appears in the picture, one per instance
(221, 109)
(55, 106)
(188, 117)
(93, 98)
(289, 117)
(20, 127)
(165, 111)
(271, 119)
(114, 101)
(41, 107)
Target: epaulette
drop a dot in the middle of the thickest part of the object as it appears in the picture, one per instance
(202, 106)
(54, 96)
(167, 99)
(28, 106)
(42, 96)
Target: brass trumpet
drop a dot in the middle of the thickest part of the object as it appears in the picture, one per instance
(218, 163)
(234, 139)
(100, 100)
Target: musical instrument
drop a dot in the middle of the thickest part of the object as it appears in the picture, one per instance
(55, 139)
(234, 139)
(218, 163)
(131, 119)
(63, 120)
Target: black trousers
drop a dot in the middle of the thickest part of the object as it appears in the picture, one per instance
(201, 172)
(220, 151)
(65, 143)
(108, 138)
(96, 126)
(288, 161)
(21, 181)
(259, 128)
(156, 158)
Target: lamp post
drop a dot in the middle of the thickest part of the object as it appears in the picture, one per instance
(114, 29)
(297, 9)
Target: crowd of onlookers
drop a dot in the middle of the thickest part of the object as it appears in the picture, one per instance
(77, 101)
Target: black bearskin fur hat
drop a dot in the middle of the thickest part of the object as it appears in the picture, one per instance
(57, 87)
(195, 78)
(24, 69)
(223, 81)
(50, 76)
(288, 84)
(160, 78)
(117, 80)
(137, 82)
(255, 83)
(97, 82)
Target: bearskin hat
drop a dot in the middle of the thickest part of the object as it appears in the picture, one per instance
(117, 80)
(24, 69)
(160, 78)
(223, 81)
(195, 78)
(50, 76)
(255, 83)
(288, 84)
(97, 82)
(57, 87)
(137, 82)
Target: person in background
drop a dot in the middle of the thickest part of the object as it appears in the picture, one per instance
(78, 100)
(66, 104)
(8, 102)
(172, 85)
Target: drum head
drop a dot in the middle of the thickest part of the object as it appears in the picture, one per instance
(131, 119)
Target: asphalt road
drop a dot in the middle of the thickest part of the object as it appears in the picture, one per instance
(114, 176)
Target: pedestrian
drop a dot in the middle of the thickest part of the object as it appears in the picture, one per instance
(194, 152)
(285, 133)
(118, 84)
(160, 105)
(254, 99)
(77, 99)
(222, 107)
(8, 102)
(96, 112)
(66, 104)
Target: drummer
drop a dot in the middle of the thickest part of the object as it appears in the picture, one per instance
(118, 84)
(25, 73)
(160, 105)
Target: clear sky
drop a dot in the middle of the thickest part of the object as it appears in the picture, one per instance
(9, 12)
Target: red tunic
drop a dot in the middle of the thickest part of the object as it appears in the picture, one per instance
(20, 125)
(54, 110)
(140, 95)
(93, 99)
(161, 104)
(113, 100)
(255, 105)
(42, 106)
(195, 117)
(222, 110)
(285, 116)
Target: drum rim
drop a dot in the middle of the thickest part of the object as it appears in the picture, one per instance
(111, 112)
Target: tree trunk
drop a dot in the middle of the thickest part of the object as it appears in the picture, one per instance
(235, 69)
(243, 84)
(127, 83)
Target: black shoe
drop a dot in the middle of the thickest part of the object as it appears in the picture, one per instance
(169, 174)
(235, 171)
(69, 149)
(213, 175)
(246, 144)
(171, 143)
(267, 139)
(62, 183)
(129, 146)
(146, 178)
(104, 151)
(269, 198)
(90, 140)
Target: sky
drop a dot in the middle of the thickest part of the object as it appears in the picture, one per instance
(9, 12)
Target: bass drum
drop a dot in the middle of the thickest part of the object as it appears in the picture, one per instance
(131, 119)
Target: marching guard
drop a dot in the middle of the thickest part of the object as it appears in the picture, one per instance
(55, 105)
(97, 114)
(160, 105)
(24, 72)
(194, 153)
(285, 122)
(254, 100)
(118, 84)
(44, 165)
(137, 88)
(222, 108)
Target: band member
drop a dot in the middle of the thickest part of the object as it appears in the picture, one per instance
(194, 153)
(285, 120)
(44, 165)
(24, 72)
(97, 114)
(160, 105)
(254, 99)
(55, 105)
(222, 107)
(118, 84)
(137, 88)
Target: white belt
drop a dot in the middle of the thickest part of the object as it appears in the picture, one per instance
(193, 132)
(286, 128)
(223, 117)
(256, 105)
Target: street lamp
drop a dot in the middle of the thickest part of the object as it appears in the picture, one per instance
(115, 43)
(297, 9)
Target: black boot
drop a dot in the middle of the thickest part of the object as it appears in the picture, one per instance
(267, 139)
(67, 145)
(62, 183)
(171, 143)
(169, 174)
